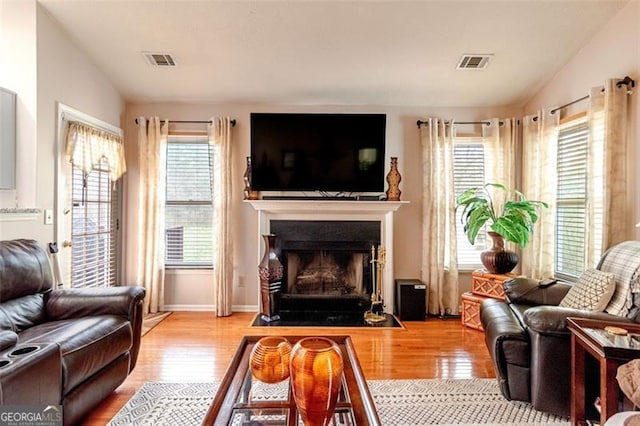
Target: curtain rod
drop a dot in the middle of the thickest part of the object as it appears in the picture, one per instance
(233, 122)
(420, 122)
(627, 81)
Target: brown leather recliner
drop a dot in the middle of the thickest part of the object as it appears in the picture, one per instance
(62, 347)
(528, 338)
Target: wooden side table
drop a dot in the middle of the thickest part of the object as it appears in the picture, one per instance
(589, 337)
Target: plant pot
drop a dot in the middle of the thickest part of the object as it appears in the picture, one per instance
(316, 376)
(497, 260)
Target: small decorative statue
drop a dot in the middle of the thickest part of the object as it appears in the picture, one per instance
(249, 194)
(393, 179)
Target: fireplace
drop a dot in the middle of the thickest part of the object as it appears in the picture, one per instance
(327, 264)
(380, 213)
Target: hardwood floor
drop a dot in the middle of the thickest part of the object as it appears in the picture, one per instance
(197, 347)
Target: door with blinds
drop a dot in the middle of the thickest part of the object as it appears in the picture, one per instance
(88, 208)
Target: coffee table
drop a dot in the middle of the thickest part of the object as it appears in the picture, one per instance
(243, 400)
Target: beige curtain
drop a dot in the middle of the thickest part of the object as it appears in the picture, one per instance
(539, 153)
(439, 262)
(499, 139)
(220, 138)
(86, 146)
(152, 140)
(607, 201)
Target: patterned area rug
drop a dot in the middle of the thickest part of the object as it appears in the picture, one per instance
(151, 320)
(399, 403)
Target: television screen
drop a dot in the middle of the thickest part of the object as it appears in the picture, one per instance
(318, 152)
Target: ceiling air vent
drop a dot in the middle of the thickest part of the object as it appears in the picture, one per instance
(474, 62)
(159, 59)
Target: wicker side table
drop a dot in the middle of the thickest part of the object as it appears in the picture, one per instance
(483, 286)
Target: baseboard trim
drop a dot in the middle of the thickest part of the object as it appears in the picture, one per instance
(208, 308)
(244, 308)
(192, 308)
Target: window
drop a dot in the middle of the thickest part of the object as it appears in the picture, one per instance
(94, 227)
(468, 172)
(188, 209)
(571, 200)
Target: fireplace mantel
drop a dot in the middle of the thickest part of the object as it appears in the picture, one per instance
(337, 210)
(325, 207)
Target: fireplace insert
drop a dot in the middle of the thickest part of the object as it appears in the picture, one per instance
(327, 264)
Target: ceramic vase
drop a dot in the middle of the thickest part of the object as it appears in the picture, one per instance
(497, 260)
(248, 193)
(270, 273)
(393, 181)
(269, 359)
(316, 376)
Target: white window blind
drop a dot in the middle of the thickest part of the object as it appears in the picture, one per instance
(468, 172)
(94, 230)
(571, 201)
(188, 209)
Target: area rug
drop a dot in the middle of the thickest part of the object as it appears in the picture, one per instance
(151, 320)
(399, 403)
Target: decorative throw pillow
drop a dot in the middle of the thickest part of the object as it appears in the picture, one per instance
(592, 292)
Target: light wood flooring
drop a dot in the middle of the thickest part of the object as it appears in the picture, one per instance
(197, 347)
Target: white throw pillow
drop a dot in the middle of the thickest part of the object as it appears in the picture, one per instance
(592, 292)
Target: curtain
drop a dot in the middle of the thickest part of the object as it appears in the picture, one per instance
(499, 139)
(439, 251)
(539, 152)
(221, 179)
(499, 142)
(152, 140)
(87, 146)
(607, 201)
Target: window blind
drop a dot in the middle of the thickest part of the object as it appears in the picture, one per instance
(94, 230)
(188, 209)
(571, 200)
(468, 172)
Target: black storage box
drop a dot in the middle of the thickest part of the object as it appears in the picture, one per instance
(411, 300)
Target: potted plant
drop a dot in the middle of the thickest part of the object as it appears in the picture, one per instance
(512, 221)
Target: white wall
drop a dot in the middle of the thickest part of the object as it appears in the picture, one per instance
(18, 73)
(403, 141)
(614, 52)
(51, 70)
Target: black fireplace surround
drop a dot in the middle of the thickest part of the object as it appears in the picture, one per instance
(327, 264)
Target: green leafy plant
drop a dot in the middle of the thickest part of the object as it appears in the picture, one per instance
(514, 220)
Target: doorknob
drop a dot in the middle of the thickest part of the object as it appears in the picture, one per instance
(67, 243)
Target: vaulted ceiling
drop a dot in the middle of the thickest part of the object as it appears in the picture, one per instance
(331, 52)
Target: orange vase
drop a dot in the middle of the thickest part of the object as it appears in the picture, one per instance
(269, 359)
(316, 376)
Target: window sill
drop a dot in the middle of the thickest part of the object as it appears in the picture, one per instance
(188, 267)
(467, 269)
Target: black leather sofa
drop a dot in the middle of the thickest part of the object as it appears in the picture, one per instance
(62, 347)
(529, 342)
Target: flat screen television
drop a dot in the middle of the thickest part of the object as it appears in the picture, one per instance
(318, 152)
